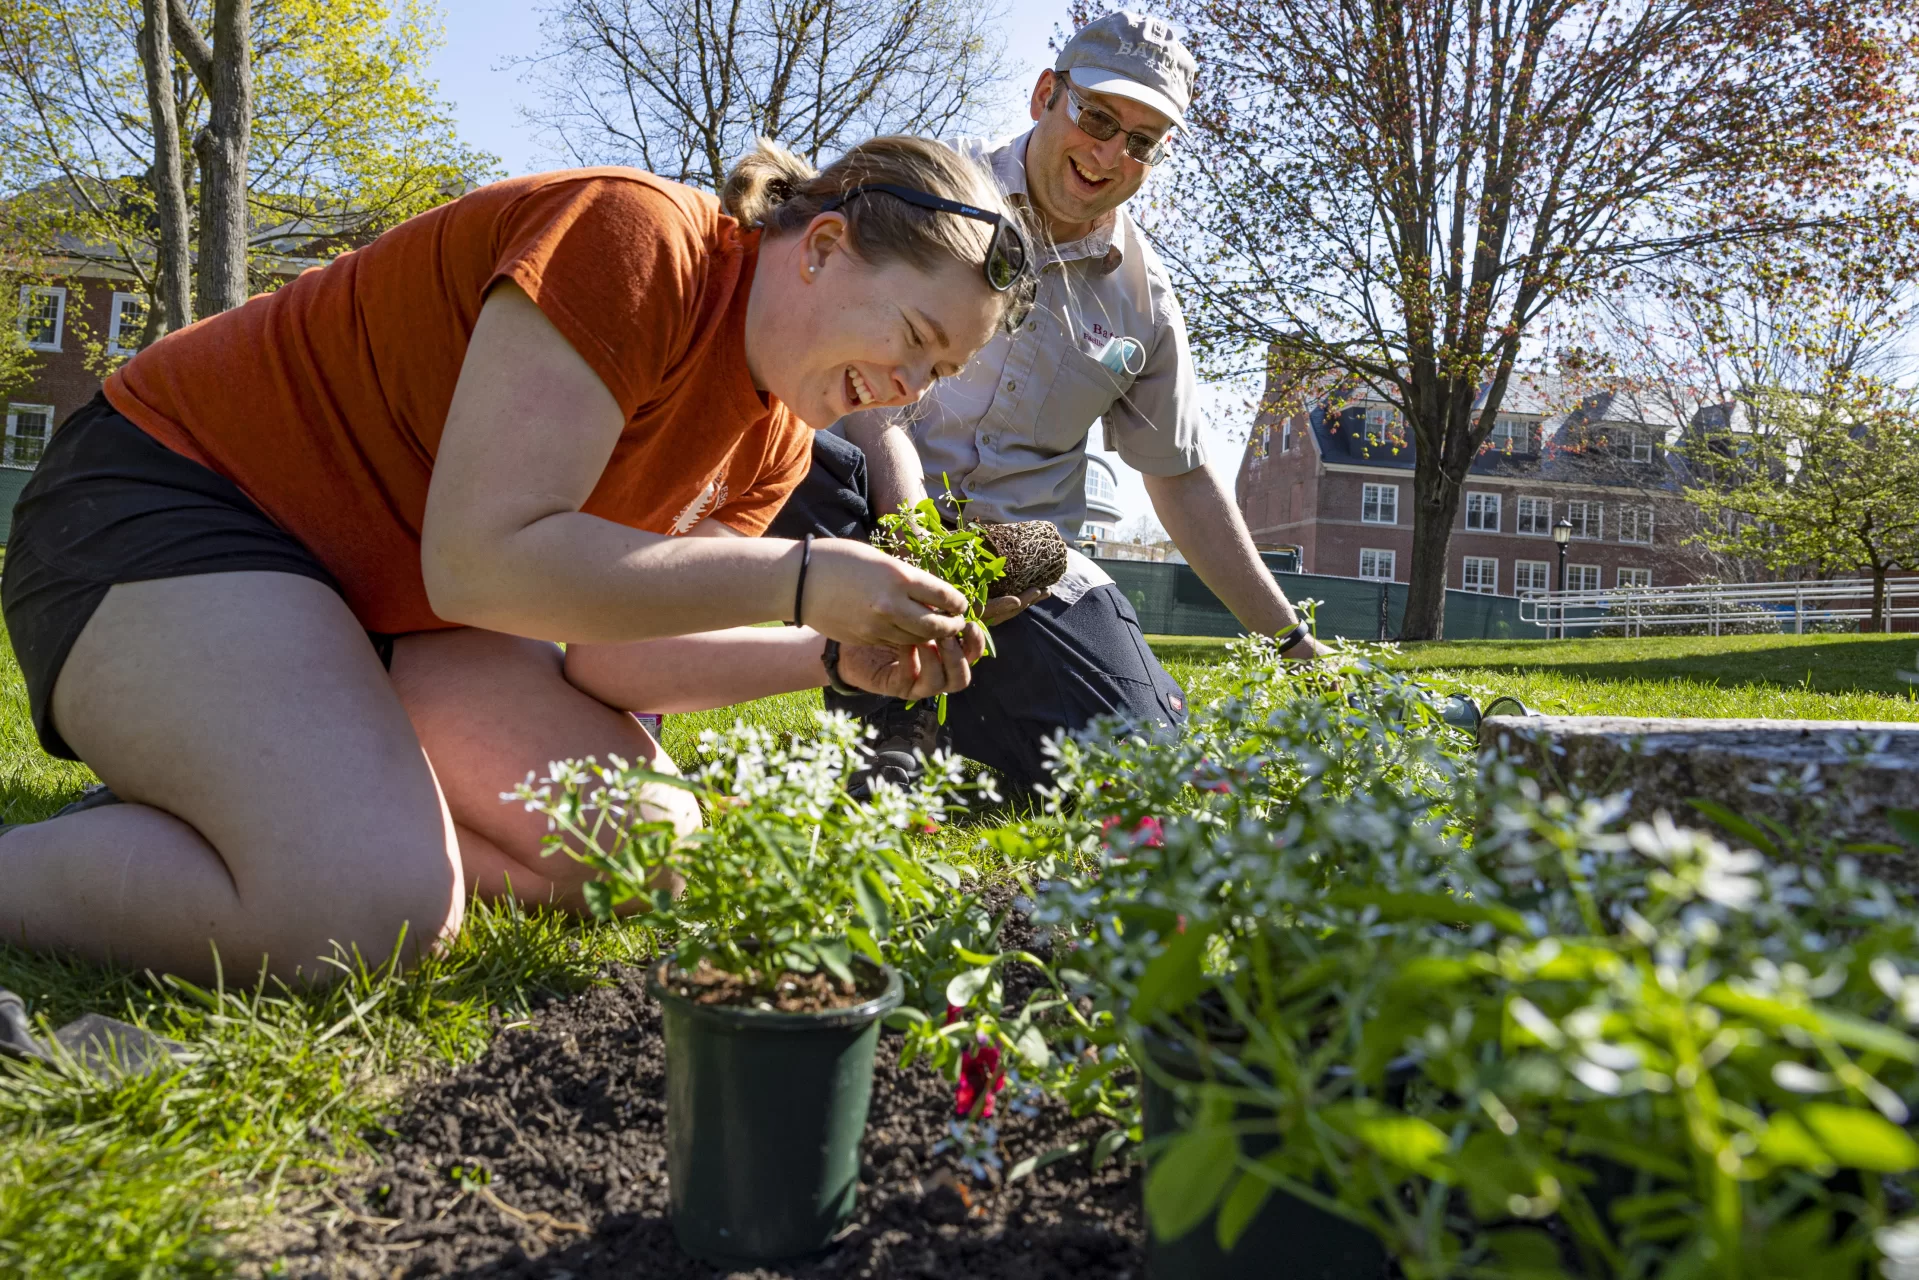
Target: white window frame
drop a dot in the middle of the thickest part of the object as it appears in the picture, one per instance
(1582, 577)
(1642, 443)
(1525, 571)
(1377, 423)
(1590, 524)
(1286, 435)
(115, 327)
(1545, 521)
(1632, 578)
(28, 292)
(1390, 558)
(1511, 435)
(6, 447)
(1632, 522)
(1372, 495)
(1486, 504)
(1473, 571)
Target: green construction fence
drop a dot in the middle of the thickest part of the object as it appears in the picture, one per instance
(1172, 601)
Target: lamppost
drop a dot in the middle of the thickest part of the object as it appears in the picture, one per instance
(1562, 534)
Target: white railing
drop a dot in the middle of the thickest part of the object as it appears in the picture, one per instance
(1792, 606)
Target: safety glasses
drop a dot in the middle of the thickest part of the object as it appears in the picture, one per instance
(1099, 126)
(1007, 261)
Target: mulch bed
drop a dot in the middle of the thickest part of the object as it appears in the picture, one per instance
(548, 1158)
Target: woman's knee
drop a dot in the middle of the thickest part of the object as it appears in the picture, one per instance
(403, 905)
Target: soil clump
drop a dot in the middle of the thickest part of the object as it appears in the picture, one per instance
(547, 1158)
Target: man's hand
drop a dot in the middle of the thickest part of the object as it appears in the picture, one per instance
(912, 672)
(1004, 608)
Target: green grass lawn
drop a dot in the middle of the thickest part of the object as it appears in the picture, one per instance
(159, 1177)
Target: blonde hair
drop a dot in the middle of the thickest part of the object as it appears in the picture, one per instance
(775, 189)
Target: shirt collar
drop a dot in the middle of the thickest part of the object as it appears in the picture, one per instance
(1105, 241)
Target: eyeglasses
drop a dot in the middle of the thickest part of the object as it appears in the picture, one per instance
(1006, 262)
(1099, 126)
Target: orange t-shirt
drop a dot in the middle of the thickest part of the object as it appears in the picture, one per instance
(324, 401)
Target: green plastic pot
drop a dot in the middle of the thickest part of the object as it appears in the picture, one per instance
(764, 1116)
(1288, 1240)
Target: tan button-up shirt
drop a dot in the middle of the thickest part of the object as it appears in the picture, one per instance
(1009, 431)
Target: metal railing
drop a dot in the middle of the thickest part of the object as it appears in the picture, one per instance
(1788, 607)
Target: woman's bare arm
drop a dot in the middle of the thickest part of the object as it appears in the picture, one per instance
(505, 546)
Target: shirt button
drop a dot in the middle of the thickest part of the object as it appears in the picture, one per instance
(1012, 385)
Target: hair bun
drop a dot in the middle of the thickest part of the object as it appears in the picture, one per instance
(781, 190)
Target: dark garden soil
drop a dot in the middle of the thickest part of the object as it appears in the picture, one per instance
(793, 993)
(547, 1158)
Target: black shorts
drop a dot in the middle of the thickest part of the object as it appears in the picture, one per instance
(110, 504)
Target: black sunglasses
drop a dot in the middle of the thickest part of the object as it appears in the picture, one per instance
(1007, 261)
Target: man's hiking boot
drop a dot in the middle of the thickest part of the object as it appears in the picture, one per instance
(16, 1032)
(905, 736)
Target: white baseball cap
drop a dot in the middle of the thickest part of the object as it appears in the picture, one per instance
(1130, 55)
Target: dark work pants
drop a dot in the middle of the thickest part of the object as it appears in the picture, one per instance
(1055, 666)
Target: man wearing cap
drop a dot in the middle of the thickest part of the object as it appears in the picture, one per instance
(1105, 341)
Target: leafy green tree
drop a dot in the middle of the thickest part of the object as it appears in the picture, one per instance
(17, 359)
(296, 127)
(1828, 481)
(1409, 194)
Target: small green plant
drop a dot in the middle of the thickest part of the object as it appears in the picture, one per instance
(789, 874)
(959, 556)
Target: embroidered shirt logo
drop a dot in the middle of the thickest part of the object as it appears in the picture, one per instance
(704, 503)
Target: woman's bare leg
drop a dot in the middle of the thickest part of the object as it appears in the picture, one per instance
(490, 709)
(277, 798)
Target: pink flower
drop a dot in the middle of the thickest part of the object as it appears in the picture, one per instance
(980, 1080)
(1146, 832)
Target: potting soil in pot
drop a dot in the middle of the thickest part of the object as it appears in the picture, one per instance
(548, 1158)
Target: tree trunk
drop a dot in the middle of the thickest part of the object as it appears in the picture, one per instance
(224, 68)
(172, 303)
(1878, 620)
(1435, 505)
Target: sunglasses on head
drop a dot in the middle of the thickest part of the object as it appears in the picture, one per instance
(1099, 126)
(1006, 256)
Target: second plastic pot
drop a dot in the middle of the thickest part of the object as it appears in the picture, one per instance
(1288, 1240)
(765, 1112)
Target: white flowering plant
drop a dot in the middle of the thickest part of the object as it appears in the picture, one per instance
(788, 874)
(1510, 1034)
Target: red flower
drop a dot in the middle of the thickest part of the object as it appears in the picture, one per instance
(1219, 786)
(1146, 832)
(929, 828)
(980, 1078)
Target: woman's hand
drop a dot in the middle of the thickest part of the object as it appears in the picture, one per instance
(912, 672)
(1005, 608)
(860, 596)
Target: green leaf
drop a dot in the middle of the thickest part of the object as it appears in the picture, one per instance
(1109, 1142)
(1905, 823)
(1741, 827)
(863, 943)
(966, 986)
(1187, 1180)
(1032, 1047)
(1860, 1139)
(1854, 1033)
(1526, 1252)
(1441, 907)
(1407, 1141)
(838, 959)
(1173, 979)
(870, 893)
(1033, 1164)
(1242, 1204)
(599, 898)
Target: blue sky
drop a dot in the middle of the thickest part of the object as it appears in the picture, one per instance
(481, 35)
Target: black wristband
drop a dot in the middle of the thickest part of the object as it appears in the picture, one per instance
(799, 590)
(830, 659)
(1298, 632)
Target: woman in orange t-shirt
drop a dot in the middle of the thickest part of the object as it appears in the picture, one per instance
(481, 434)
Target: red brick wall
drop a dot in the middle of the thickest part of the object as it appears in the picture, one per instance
(62, 378)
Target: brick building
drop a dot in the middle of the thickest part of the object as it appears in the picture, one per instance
(1335, 480)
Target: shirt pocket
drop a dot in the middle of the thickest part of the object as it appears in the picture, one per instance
(1082, 391)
